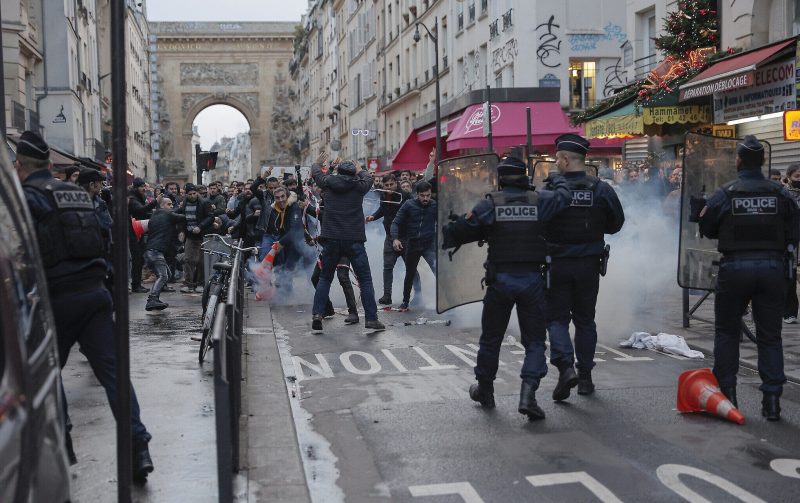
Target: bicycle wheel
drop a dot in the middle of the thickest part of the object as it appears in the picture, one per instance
(208, 319)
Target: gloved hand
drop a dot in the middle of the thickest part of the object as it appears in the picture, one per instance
(696, 205)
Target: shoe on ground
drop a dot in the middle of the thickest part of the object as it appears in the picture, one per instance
(386, 300)
(527, 403)
(188, 289)
(790, 320)
(585, 384)
(567, 380)
(483, 394)
(771, 407)
(374, 325)
(329, 311)
(730, 394)
(403, 307)
(351, 319)
(316, 324)
(142, 464)
(167, 289)
(155, 304)
(139, 289)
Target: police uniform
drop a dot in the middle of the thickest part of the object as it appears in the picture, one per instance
(577, 248)
(512, 221)
(754, 220)
(72, 250)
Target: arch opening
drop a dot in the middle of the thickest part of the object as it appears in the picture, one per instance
(224, 128)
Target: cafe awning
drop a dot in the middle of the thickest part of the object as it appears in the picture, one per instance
(413, 154)
(734, 72)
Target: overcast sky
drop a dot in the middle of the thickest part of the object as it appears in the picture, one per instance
(218, 121)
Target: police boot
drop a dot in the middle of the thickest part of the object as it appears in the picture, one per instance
(155, 304)
(527, 402)
(386, 300)
(730, 394)
(585, 384)
(142, 464)
(483, 393)
(771, 407)
(567, 380)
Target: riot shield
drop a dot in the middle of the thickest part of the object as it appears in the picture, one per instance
(463, 182)
(541, 169)
(708, 163)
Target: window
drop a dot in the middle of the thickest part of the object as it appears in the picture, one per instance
(582, 84)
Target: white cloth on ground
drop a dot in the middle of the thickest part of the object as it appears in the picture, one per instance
(673, 344)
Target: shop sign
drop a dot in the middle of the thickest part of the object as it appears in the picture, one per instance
(677, 115)
(717, 86)
(373, 164)
(614, 127)
(723, 131)
(791, 125)
(773, 90)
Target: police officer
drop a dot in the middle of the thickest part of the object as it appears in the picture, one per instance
(575, 238)
(72, 248)
(755, 221)
(513, 222)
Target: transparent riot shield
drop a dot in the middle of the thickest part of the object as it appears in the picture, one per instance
(463, 182)
(541, 170)
(708, 163)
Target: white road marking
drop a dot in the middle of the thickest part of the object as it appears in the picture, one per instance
(322, 368)
(346, 359)
(603, 493)
(624, 357)
(786, 467)
(393, 360)
(432, 364)
(463, 489)
(669, 475)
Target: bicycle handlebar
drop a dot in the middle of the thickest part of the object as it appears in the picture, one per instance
(250, 249)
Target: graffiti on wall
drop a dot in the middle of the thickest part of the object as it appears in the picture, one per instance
(588, 41)
(504, 55)
(549, 44)
(616, 77)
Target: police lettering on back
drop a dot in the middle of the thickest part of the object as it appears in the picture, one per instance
(72, 199)
(582, 198)
(516, 213)
(754, 206)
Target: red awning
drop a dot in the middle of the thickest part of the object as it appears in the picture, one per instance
(413, 155)
(732, 72)
(429, 133)
(548, 122)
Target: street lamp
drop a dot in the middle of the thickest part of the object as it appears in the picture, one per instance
(435, 39)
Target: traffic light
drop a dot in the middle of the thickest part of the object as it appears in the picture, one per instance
(206, 161)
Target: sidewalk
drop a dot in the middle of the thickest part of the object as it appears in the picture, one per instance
(667, 317)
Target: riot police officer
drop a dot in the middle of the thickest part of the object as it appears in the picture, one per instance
(756, 221)
(72, 249)
(512, 221)
(575, 238)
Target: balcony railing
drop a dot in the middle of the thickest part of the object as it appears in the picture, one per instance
(471, 10)
(507, 21)
(484, 6)
(444, 61)
(642, 66)
(494, 30)
(460, 21)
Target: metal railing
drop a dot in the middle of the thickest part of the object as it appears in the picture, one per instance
(642, 66)
(227, 337)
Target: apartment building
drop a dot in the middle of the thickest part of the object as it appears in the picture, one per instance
(23, 56)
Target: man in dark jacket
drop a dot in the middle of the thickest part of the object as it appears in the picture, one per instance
(199, 219)
(161, 237)
(416, 220)
(140, 209)
(251, 213)
(391, 200)
(343, 235)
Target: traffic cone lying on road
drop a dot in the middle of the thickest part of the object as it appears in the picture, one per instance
(139, 227)
(263, 273)
(698, 391)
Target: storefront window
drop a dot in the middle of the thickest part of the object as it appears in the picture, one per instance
(582, 84)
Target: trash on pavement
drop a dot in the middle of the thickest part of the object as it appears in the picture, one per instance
(673, 344)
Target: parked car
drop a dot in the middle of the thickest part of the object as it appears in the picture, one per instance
(33, 461)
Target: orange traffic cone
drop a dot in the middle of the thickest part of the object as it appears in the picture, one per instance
(698, 391)
(263, 274)
(139, 227)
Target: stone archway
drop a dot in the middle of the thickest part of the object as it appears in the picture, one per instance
(197, 65)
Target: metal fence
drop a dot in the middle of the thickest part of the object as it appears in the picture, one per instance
(227, 337)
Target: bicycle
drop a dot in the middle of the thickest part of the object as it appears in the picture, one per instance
(216, 288)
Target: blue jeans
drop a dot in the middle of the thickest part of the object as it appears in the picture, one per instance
(574, 283)
(415, 252)
(156, 261)
(85, 318)
(740, 281)
(332, 251)
(526, 290)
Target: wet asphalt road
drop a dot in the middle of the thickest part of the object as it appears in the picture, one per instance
(387, 417)
(177, 402)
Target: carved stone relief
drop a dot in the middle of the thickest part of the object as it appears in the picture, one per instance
(189, 100)
(219, 74)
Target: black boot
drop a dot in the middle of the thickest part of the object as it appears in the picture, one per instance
(483, 393)
(730, 394)
(73, 459)
(351, 318)
(329, 311)
(585, 384)
(155, 304)
(527, 402)
(142, 464)
(386, 300)
(567, 380)
(771, 407)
